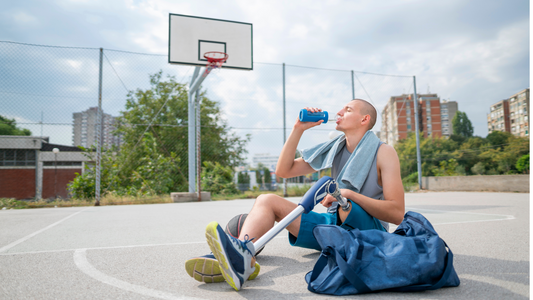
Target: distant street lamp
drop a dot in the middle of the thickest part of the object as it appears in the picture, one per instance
(56, 151)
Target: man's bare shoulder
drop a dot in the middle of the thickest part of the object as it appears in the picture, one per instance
(387, 154)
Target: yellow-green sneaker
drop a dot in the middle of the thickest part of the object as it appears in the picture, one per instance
(234, 256)
(206, 269)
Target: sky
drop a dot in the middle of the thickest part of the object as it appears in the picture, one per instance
(473, 52)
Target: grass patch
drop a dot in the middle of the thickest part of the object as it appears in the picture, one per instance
(10, 203)
(410, 187)
(111, 199)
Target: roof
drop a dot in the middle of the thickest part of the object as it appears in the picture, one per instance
(62, 148)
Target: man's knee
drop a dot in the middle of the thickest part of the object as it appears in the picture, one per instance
(266, 201)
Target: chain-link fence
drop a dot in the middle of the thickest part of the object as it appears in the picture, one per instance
(54, 91)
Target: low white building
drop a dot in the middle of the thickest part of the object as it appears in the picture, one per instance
(269, 161)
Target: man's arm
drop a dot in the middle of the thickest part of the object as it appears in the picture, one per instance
(392, 208)
(287, 166)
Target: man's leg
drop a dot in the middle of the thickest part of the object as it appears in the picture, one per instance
(267, 209)
(235, 256)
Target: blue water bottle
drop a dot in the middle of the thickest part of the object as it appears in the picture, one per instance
(306, 116)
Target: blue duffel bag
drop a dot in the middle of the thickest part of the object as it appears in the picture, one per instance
(413, 258)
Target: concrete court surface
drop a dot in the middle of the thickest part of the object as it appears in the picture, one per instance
(139, 251)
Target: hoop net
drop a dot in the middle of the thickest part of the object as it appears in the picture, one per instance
(215, 59)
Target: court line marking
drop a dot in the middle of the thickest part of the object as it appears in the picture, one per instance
(80, 259)
(502, 217)
(458, 212)
(112, 247)
(9, 246)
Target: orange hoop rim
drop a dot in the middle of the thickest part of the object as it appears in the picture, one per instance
(211, 57)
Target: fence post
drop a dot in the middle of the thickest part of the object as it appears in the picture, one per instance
(353, 87)
(192, 133)
(284, 131)
(199, 152)
(418, 159)
(99, 132)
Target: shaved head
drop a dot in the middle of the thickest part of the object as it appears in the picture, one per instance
(368, 109)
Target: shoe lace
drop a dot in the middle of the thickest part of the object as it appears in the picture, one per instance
(242, 244)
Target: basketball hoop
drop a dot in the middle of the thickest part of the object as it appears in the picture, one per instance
(215, 59)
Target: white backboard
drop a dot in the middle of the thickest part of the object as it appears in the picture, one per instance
(190, 37)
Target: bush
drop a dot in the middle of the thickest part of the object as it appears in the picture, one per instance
(412, 178)
(447, 168)
(479, 168)
(218, 179)
(522, 165)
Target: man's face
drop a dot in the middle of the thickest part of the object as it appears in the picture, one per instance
(350, 116)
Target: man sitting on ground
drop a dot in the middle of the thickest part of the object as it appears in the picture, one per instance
(366, 169)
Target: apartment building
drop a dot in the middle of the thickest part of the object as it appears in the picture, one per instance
(448, 109)
(398, 117)
(85, 129)
(430, 113)
(510, 115)
(498, 119)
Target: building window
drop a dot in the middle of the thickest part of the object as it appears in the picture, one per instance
(408, 126)
(17, 157)
(61, 163)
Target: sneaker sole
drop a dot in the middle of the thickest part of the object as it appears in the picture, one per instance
(211, 235)
(207, 270)
(204, 270)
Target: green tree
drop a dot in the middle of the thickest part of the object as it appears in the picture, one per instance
(268, 177)
(432, 151)
(502, 157)
(468, 153)
(9, 127)
(165, 105)
(498, 138)
(461, 125)
(498, 153)
(153, 158)
(243, 178)
(258, 176)
(516, 148)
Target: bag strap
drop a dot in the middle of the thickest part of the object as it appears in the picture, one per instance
(350, 274)
(448, 267)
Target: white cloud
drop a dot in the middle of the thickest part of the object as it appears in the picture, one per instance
(25, 18)
(74, 63)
